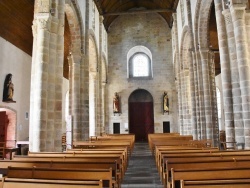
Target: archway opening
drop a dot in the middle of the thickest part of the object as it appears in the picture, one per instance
(141, 114)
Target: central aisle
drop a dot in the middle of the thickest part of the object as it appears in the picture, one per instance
(141, 170)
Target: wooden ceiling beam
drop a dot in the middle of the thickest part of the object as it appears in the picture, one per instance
(137, 12)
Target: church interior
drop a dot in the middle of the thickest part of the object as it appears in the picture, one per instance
(139, 77)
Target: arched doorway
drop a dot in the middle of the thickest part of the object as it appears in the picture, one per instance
(141, 114)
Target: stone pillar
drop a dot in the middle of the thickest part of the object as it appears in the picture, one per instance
(207, 108)
(231, 87)
(92, 103)
(75, 63)
(201, 126)
(175, 39)
(193, 81)
(225, 71)
(247, 20)
(39, 75)
(238, 17)
(214, 134)
(85, 79)
(58, 76)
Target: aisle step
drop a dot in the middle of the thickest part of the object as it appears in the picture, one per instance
(141, 172)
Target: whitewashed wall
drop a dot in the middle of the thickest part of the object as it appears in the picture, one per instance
(18, 63)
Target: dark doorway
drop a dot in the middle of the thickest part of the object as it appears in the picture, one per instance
(3, 126)
(166, 127)
(116, 128)
(141, 115)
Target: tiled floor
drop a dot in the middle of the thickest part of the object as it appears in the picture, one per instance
(141, 172)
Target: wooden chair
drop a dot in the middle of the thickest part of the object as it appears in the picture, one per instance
(2, 150)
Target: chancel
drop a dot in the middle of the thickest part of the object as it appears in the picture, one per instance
(144, 93)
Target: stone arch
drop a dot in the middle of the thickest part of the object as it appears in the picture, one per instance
(93, 48)
(185, 46)
(11, 127)
(138, 49)
(185, 73)
(203, 23)
(76, 27)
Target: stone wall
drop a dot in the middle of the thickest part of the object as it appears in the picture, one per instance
(152, 32)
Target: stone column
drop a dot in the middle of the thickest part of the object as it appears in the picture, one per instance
(39, 75)
(207, 108)
(231, 87)
(247, 20)
(201, 126)
(175, 39)
(193, 81)
(214, 134)
(74, 64)
(58, 123)
(238, 18)
(103, 107)
(225, 71)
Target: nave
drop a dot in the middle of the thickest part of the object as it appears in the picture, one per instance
(141, 170)
(168, 160)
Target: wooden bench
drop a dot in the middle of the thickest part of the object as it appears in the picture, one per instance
(220, 163)
(168, 140)
(64, 164)
(63, 174)
(100, 159)
(208, 174)
(194, 157)
(102, 144)
(238, 183)
(51, 155)
(24, 183)
(160, 154)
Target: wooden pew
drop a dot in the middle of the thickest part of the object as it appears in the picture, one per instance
(196, 155)
(63, 174)
(169, 140)
(122, 157)
(63, 164)
(130, 137)
(120, 164)
(160, 154)
(25, 183)
(200, 164)
(238, 183)
(102, 144)
(123, 154)
(208, 174)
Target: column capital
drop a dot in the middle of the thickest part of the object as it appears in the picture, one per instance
(42, 21)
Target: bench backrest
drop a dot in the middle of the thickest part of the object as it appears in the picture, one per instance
(61, 174)
(24, 183)
(209, 174)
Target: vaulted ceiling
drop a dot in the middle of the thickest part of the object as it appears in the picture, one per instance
(111, 9)
(16, 18)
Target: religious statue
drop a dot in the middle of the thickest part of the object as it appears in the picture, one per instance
(116, 108)
(165, 102)
(8, 90)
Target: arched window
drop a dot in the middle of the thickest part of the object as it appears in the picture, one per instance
(139, 63)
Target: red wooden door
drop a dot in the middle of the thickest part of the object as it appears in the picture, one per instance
(3, 126)
(141, 119)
